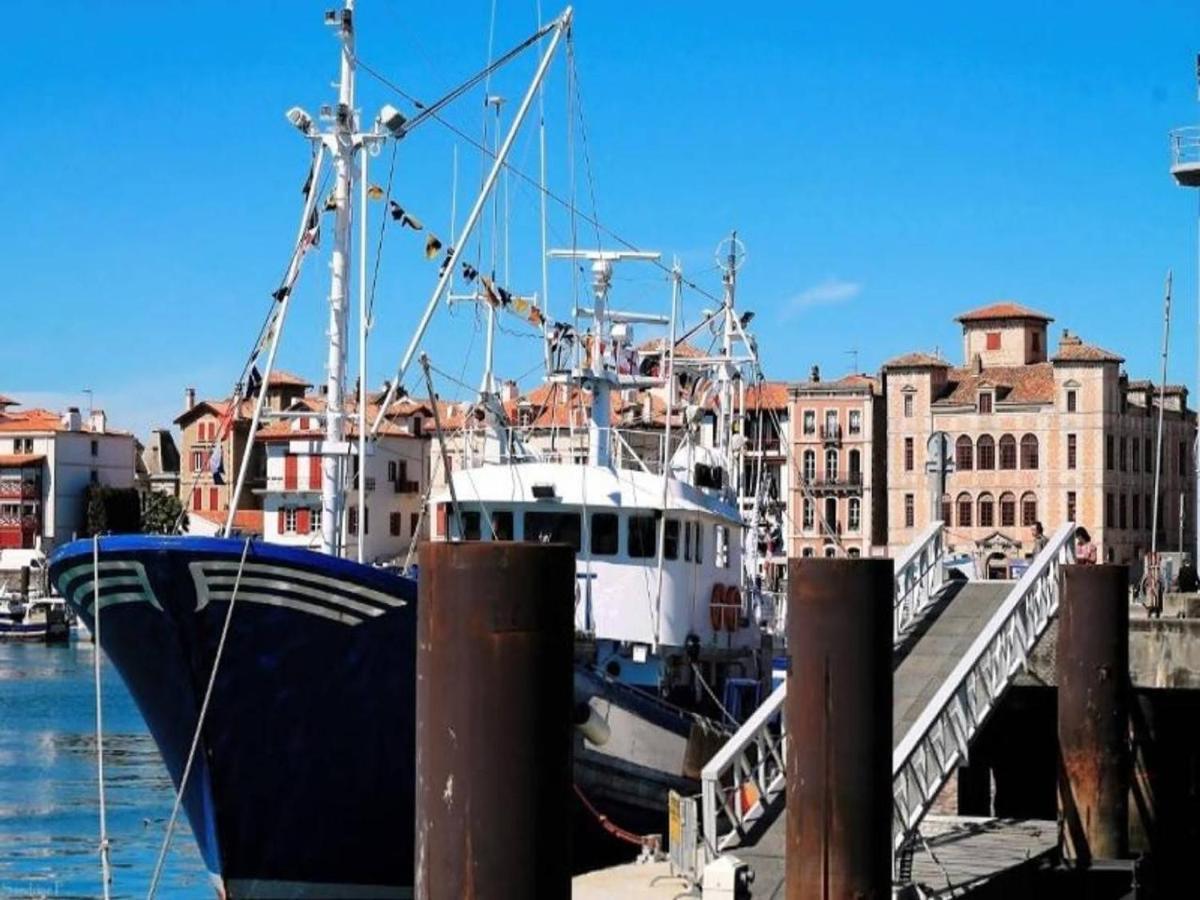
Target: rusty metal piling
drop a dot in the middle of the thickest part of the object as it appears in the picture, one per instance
(1093, 712)
(494, 719)
(839, 715)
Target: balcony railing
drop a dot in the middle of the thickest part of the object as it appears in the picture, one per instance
(837, 481)
(831, 434)
(22, 490)
(406, 487)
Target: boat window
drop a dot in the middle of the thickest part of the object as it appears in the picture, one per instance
(470, 525)
(643, 532)
(604, 534)
(671, 539)
(699, 542)
(553, 528)
(502, 525)
(687, 541)
(721, 542)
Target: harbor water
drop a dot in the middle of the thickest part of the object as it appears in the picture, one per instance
(49, 802)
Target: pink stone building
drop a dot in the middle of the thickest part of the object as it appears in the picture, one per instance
(1036, 435)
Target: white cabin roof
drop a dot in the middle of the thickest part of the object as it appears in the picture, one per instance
(579, 485)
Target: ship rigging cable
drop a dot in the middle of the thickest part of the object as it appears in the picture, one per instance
(191, 757)
(105, 865)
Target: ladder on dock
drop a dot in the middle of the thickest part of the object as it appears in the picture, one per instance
(959, 646)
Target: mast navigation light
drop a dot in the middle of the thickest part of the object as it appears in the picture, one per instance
(302, 121)
(393, 120)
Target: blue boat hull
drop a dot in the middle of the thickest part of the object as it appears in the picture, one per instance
(312, 703)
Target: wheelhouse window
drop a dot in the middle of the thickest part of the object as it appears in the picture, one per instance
(643, 537)
(470, 525)
(687, 541)
(699, 542)
(671, 539)
(553, 528)
(604, 538)
(721, 542)
(502, 525)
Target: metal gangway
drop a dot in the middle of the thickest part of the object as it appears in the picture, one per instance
(942, 698)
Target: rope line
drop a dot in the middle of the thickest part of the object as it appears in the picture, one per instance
(187, 769)
(105, 865)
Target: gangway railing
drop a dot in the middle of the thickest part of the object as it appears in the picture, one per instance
(748, 773)
(937, 742)
(920, 575)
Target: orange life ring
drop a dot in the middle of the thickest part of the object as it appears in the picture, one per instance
(733, 607)
(716, 606)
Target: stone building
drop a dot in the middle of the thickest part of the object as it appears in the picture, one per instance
(1035, 435)
(838, 505)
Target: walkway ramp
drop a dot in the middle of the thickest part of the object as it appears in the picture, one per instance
(958, 647)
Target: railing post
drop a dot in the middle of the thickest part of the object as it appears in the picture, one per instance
(494, 720)
(1093, 711)
(839, 701)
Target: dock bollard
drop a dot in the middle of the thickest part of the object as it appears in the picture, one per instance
(839, 719)
(495, 704)
(1093, 712)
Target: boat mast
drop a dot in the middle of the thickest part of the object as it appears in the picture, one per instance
(341, 145)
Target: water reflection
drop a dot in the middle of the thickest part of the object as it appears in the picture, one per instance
(48, 796)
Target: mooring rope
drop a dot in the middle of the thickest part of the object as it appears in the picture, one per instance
(187, 769)
(105, 867)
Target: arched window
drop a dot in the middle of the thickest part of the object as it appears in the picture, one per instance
(853, 553)
(964, 453)
(831, 465)
(985, 452)
(1008, 452)
(987, 511)
(808, 514)
(964, 510)
(854, 516)
(855, 463)
(1029, 452)
(830, 551)
(831, 521)
(1008, 510)
(946, 510)
(1029, 515)
(810, 465)
(806, 552)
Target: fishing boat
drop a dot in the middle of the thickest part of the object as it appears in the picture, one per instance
(278, 682)
(44, 619)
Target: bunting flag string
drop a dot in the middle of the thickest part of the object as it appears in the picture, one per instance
(374, 192)
(405, 219)
(432, 246)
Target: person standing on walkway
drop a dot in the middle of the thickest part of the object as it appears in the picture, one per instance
(1085, 550)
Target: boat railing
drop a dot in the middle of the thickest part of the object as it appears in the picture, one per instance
(938, 740)
(632, 448)
(1185, 147)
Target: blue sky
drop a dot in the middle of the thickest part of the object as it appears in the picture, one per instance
(888, 167)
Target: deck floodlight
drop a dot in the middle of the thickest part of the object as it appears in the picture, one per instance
(301, 120)
(393, 120)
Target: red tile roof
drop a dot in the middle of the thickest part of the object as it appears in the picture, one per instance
(916, 361)
(247, 521)
(854, 381)
(1014, 384)
(13, 460)
(768, 395)
(1072, 349)
(279, 378)
(1003, 310)
(44, 420)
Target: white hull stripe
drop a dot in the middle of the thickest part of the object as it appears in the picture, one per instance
(256, 889)
(334, 585)
(113, 574)
(221, 586)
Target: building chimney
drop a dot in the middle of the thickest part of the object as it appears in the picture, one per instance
(189, 398)
(71, 419)
(508, 391)
(977, 364)
(98, 422)
(815, 375)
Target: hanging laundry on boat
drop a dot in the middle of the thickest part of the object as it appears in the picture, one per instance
(470, 273)
(216, 465)
(447, 262)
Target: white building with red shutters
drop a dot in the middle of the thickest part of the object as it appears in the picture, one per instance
(396, 478)
(47, 461)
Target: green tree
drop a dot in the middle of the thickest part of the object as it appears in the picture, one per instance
(111, 510)
(160, 512)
